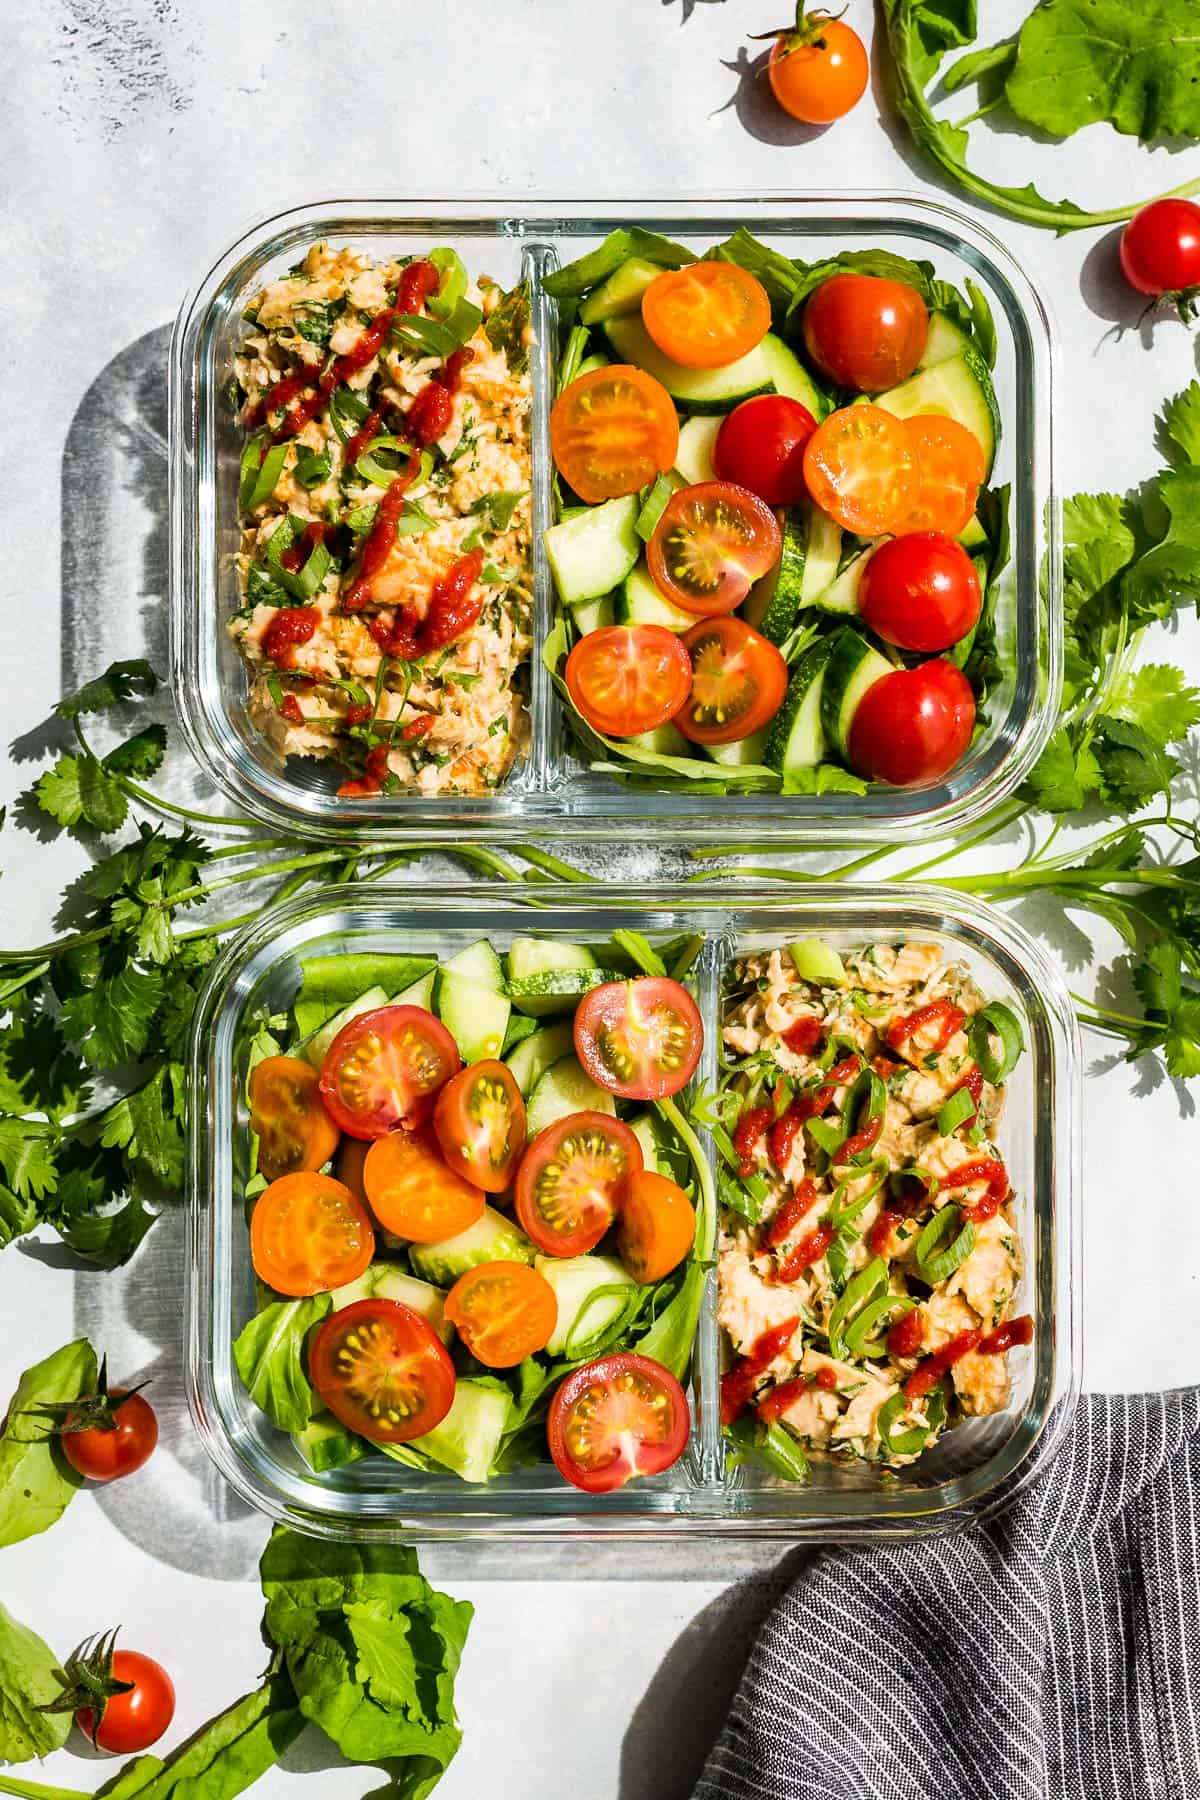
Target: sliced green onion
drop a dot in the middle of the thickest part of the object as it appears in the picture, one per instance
(936, 1259)
(866, 1102)
(414, 520)
(837, 1261)
(863, 1287)
(382, 460)
(935, 1411)
(654, 506)
(259, 471)
(1000, 1021)
(958, 1109)
(304, 582)
(453, 285)
(772, 1445)
(827, 1133)
(859, 1341)
(900, 1443)
(419, 336)
(842, 1210)
(347, 410)
(312, 467)
(915, 1172)
(572, 356)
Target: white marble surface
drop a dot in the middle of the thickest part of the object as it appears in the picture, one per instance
(137, 137)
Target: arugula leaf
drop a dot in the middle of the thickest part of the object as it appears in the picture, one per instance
(29, 1679)
(121, 681)
(37, 1483)
(586, 272)
(1081, 61)
(269, 1353)
(332, 982)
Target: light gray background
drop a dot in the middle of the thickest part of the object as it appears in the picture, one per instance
(137, 138)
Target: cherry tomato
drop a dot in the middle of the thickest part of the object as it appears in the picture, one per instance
(760, 446)
(308, 1234)
(920, 592)
(384, 1067)
(706, 314)
(739, 680)
(615, 1418)
(865, 332)
(382, 1370)
(626, 679)
(503, 1312)
(479, 1119)
(913, 725)
(612, 431)
(950, 468)
(571, 1180)
(710, 546)
(413, 1194)
(348, 1165)
(656, 1227)
(288, 1115)
(1160, 248)
(134, 1720)
(640, 1039)
(818, 73)
(861, 469)
(106, 1453)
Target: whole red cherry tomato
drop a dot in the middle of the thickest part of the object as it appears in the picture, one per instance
(920, 592)
(913, 725)
(760, 446)
(1160, 248)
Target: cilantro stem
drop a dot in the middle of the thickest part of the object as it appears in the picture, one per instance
(1003, 819)
(37, 1790)
(1106, 1012)
(550, 865)
(706, 1224)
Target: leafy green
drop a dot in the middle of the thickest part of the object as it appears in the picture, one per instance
(121, 681)
(269, 1353)
(332, 982)
(771, 1445)
(507, 328)
(1081, 61)
(28, 1680)
(586, 272)
(37, 1483)
(1181, 422)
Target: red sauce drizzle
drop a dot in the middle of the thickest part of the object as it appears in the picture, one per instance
(291, 626)
(739, 1383)
(808, 1251)
(880, 1233)
(362, 437)
(380, 538)
(790, 1214)
(907, 1334)
(928, 1373)
(748, 1134)
(1006, 1337)
(805, 1035)
(808, 1106)
(289, 709)
(945, 1011)
(984, 1168)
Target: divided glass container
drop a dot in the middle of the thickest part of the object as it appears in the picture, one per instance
(972, 1468)
(553, 791)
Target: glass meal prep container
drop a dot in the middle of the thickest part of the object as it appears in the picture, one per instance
(965, 1473)
(554, 791)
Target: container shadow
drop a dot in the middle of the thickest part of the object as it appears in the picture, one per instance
(758, 111)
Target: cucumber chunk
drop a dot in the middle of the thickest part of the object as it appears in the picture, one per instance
(317, 1047)
(594, 615)
(853, 668)
(665, 740)
(841, 596)
(475, 1016)
(621, 293)
(534, 955)
(478, 962)
(697, 390)
(565, 1088)
(585, 1306)
(555, 990)
(589, 363)
(694, 458)
(946, 339)
(640, 603)
(592, 552)
(468, 1438)
(797, 737)
(325, 1444)
(822, 554)
(789, 376)
(748, 752)
(383, 1281)
(814, 960)
(419, 994)
(492, 1238)
(960, 388)
(539, 1052)
(774, 600)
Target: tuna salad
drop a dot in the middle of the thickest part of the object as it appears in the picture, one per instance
(385, 512)
(869, 1261)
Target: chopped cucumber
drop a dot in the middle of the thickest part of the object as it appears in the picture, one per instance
(621, 293)
(789, 376)
(475, 1016)
(555, 990)
(774, 600)
(853, 668)
(565, 1088)
(694, 457)
(420, 993)
(478, 962)
(974, 535)
(469, 1436)
(946, 339)
(383, 1281)
(539, 1052)
(640, 603)
(814, 960)
(645, 1129)
(492, 1238)
(587, 1304)
(325, 1444)
(592, 552)
(748, 752)
(593, 615)
(960, 388)
(590, 363)
(317, 1047)
(534, 955)
(664, 740)
(822, 554)
(696, 390)
(841, 596)
(797, 738)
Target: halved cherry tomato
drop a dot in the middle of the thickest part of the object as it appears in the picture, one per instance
(612, 431)
(413, 1194)
(640, 1039)
(479, 1119)
(920, 592)
(865, 332)
(382, 1370)
(913, 725)
(348, 1165)
(625, 679)
(656, 1228)
(615, 1418)
(739, 680)
(706, 314)
(503, 1312)
(384, 1067)
(287, 1113)
(950, 470)
(760, 446)
(710, 546)
(817, 75)
(571, 1181)
(308, 1234)
(861, 469)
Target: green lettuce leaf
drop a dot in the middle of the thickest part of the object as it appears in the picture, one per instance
(269, 1353)
(586, 272)
(332, 982)
(37, 1483)
(29, 1678)
(1136, 66)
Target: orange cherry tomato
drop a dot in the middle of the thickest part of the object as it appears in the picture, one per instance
(860, 468)
(710, 546)
(413, 1194)
(287, 1113)
(479, 1120)
(950, 471)
(348, 1165)
(384, 1067)
(571, 1180)
(383, 1371)
(308, 1234)
(625, 679)
(503, 1312)
(739, 680)
(656, 1228)
(819, 73)
(864, 331)
(612, 431)
(706, 314)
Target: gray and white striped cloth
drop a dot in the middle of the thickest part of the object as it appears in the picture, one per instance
(1052, 1653)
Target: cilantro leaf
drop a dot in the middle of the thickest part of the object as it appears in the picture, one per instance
(1168, 575)
(1082, 61)
(57, 791)
(1133, 766)
(145, 1124)
(27, 1159)
(1181, 422)
(121, 681)
(111, 1020)
(1157, 697)
(139, 755)
(1062, 778)
(1158, 979)
(78, 790)
(1098, 542)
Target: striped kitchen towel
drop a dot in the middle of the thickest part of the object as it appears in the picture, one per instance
(1052, 1653)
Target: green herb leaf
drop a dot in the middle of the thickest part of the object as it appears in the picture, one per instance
(270, 1358)
(29, 1680)
(1081, 61)
(121, 681)
(37, 1483)
(1158, 698)
(587, 272)
(111, 1021)
(508, 328)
